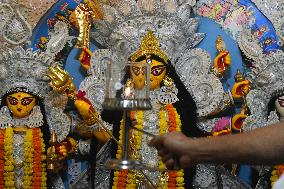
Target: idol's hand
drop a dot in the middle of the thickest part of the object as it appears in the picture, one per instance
(88, 132)
(172, 147)
(61, 80)
(101, 135)
(65, 148)
(54, 164)
(86, 110)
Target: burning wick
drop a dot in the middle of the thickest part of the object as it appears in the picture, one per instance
(127, 91)
(128, 88)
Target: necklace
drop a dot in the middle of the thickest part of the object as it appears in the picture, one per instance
(164, 120)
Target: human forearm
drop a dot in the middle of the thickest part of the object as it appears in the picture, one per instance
(261, 146)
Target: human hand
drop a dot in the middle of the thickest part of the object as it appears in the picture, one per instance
(172, 145)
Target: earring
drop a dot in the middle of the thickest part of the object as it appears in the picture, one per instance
(5, 117)
(168, 93)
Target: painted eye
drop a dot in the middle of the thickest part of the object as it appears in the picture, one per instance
(12, 100)
(136, 70)
(26, 101)
(157, 71)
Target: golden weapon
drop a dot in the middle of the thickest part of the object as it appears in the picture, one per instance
(85, 13)
(63, 83)
(51, 153)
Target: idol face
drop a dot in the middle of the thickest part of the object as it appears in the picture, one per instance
(138, 74)
(20, 104)
(279, 105)
(157, 74)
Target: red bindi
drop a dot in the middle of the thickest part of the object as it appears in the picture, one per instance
(19, 96)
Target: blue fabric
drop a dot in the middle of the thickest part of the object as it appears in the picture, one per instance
(268, 37)
(212, 30)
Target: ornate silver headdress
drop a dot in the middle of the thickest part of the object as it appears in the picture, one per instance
(268, 78)
(25, 71)
(127, 21)
(22, 12)
(14, 28)
(22, 68)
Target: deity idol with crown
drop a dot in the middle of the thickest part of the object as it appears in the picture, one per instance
(30, 114)
(200, 93)
(26, 119)
(163, 118)
(34, 128)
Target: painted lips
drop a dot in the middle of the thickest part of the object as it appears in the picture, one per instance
(281, 102)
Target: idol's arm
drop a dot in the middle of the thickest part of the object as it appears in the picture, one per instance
(61, 82)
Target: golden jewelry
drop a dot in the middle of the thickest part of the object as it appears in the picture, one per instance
(239, 76)
(168, 81)
(149, 45)
(20, 129)
(220, 44)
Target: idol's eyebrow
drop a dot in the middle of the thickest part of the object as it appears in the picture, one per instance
(135, 66)
(159, 66)
(28, 97)
(12, 97)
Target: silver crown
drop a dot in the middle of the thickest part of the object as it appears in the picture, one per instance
(268, 77)
(20, 68)
(268, 72)
(127, 21)
(14, 29)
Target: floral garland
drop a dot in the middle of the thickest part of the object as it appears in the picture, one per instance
(124, 178)
(276, 173)
(28, 159)
(39, 174)
(2, 182)
(176, 179)
(34, 168)
(169, 122)
(163, 130)
(137, 142)
(9, 160)
(119, 178)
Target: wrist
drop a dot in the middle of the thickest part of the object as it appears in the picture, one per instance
(193, 149)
